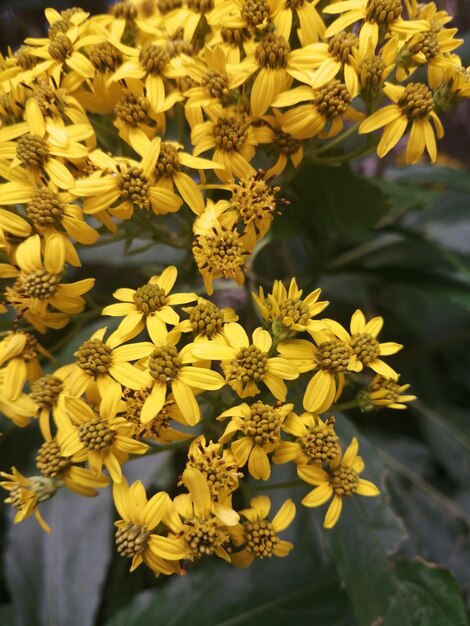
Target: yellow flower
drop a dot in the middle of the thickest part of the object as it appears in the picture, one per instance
(384, 392)
(258, 536)
(247, 364)
(342, 479)
(315, 440)
(134, 116)
(413, 110)
(139, 517)
(166, 367)
(311, 26)
(102, 439)
(26, 493)
(282, 145)
(48, 393)
(340, 54)
(206, 321)
(254, 16)
(21, 350)
(149, 305)
(260, 426)
(286, 312)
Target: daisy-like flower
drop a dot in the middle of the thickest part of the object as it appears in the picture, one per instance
(341, 479)
(149, 305)
(21, 353)
(247, 364)
(170, 368)
(38, 284)
(413, 110)
(384, 392)
(286, 313)
(315, 440)
(101, 439)
(377, 15)
(206, 321)
(136, 536)
(134, 116)
(311, 26)
(48, 394)
(257, 535)
(260, 428)
(20, 410)
(282, 145)
(373, 70)
(105, 362)
(253, 15)
(26, 493)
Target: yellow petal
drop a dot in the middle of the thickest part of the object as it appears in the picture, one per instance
(333, 513)
(199, 490)
(318, 496)
(366, 488)
(258, 463)
(284, 516)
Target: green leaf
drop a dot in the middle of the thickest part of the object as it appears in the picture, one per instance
(433, 176)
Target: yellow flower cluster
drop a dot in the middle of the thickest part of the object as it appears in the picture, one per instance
(152, 385)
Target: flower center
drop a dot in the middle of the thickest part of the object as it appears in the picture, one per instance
(371, 72)
(416, 101)
(218, 472)
(96, 435)
(230, 133)
(341, 45)
(46, 390)
(154, 59)
(216, 84)
(206, 319)
(134, 186)
(387, 385)
(150, 298)
(32, 150)
(249, 365)
(264, 425)
(37, 284)
(255, 12)
(25, 60)
(48, 99)
(201, 6)
(234, 36)
(285, 143)
(365, 347)
(94, 357)
(272, 52)
(124, 11)
(383, 11)
(16, 496)
(333, 356)
(49, 460)
(131, 539)
(60, 47)
(293, 311)
(253, 198)
(221, 252)
(132, 111)
(168, 163)
(332, 99)
(165, 6)
(59, 27)
(105, 57)
(428, 43)
(176, 45)
(261, 539)
(321, 444)
(204, 536)
(344, 480)
(164, 364)
(45, 209)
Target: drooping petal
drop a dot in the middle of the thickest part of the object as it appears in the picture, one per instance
(333, 513)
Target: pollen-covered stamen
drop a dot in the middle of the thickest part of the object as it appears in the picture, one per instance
(390, 388)
(253, 198)
(264, 424)
(67, 14)
(333, 356)
(383, 11)
(45, 209)
(222, 250)
(48, 99)
(255, 12)
(428, 43)
(371, 74)
(165, 6)
(344, 480)
(261, 538)
(124, 11)
(164, 364)
(294, 311)
(168, 162)
(341, 45)
(320, 444)
(230, 133)
(25, 60)
(234, 36)
(285, 143)
(132, 110)
(272, 52)
(176, 44)
(219, 474)
(249, 365)
(32, 150)
(332, 99)
(30, 350)
(37, 284)
(131, 539)
(60, 47)
(201, 6)
(105, 57)
(156, 428)
(365, 347)
(96, 435)
(46, 390)
(206, 319)
(94, 357)
(154, 59)
(16, 497)
(49, 460)
(134, 186)
(150, 298)
(216, 84)
(416, 101)
(204, 536)
(59, 27)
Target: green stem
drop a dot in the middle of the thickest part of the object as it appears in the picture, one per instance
(338, 139)
(344, 406)
(158, 448)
